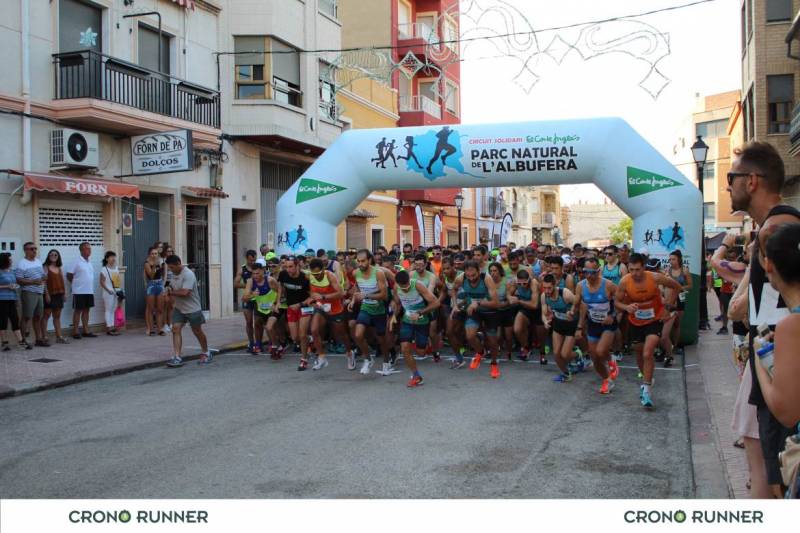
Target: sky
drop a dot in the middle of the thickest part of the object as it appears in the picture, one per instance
(703, 56)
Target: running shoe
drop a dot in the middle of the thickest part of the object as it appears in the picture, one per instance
(166, 329)
(273, 353)
(659, 356)
(175, 362)
(476, 361)
(644, 396)
(494, 370)
(613, 368)
(366, 366)
(542, 359)
(340, 348)
(524, 353)
(640, 375)
(563, 378)
(321, 363)
(250, 347)
(296, 348)
(436, 357)
(668, 360)
(607, 386)
(386, 370)
(457, 363)
(616, 356)
(256, 348)
(304, 365)
(393, 356)
(281, 349)
(351, 361)
(415, 381)
(205, 358)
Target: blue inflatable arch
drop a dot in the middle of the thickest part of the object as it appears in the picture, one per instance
(665, 207)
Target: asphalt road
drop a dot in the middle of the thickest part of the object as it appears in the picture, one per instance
(248, 427)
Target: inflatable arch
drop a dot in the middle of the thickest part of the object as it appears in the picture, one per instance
(664, 205)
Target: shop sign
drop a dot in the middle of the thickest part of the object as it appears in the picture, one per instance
(159, 153)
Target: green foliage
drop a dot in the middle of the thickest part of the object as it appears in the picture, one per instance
(621, 232)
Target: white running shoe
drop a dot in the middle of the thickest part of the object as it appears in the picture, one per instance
(166, 328)
(387, 370)
(321, 363)
(366, 366)
(351, 361)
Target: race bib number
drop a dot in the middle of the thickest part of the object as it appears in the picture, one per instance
(645, 314)
(305, 311)
(682, 296)
(369, 301)
(265, 307)
(561, 316)
(598, 315)
(326, 307)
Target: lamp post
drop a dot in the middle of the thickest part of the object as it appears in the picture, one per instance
(459, 201)
(699, 153)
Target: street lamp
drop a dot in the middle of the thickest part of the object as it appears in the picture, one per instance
(459, 201)
(700, 153)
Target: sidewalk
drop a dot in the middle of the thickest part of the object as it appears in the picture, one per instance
(24, 371)
(716, 384)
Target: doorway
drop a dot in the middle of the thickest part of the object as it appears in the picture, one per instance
(197, 248)
(144, 214)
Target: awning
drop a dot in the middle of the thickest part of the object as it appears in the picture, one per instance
(67, 184)
(188, 4)
(362, 213)
(204, 192)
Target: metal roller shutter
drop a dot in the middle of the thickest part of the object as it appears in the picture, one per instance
(64, 226)
(356, 233)
(429, 233)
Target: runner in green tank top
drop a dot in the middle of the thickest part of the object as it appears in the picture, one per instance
(371, 292)
(431, 283)
(448, 298)
(263, 291)
(416, 303)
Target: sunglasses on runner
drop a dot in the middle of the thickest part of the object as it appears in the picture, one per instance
(733, 175)
(590, 271)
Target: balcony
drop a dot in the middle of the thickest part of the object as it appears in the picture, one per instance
(101, 78)
(420, 103)
(443, 197)
(548, 220)
(794, 131)
(520, 216)
(418, 30)
(491, 207)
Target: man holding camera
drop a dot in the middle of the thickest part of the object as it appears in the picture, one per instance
(183, 288)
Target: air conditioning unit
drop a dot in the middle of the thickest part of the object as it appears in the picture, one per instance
(73, 148)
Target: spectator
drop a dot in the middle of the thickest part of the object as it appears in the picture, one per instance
(81, 276)
(32, 277)
(54, 295)
(780, 253)
(111, 287)
(165, 299)
(154, 279)
(184, 290)
(8, 303)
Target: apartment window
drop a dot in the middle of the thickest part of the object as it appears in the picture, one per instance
(327, 90)
(450, 34)
(328, 7)
(709, 213)
(779, 10)
(406, 236)
(404, 28)
(712, 129)
(80, 27)
(780, 98)
(426, 28)
(748, 116)
(428, 90)
(377, 238)
(709, 171)
(273, 76)
(148, 50)
(749, 4)
(451, 98)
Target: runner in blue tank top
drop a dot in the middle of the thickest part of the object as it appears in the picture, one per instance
(557, 312)
(525, 297)
(597, 294)
(613, 270)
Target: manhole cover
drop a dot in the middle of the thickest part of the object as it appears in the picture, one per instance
(44, 360)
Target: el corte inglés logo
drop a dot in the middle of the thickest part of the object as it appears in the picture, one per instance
(642, 182)
(310, 189)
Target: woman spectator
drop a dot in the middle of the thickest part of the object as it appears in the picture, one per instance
(54, 295)
(167, 302)
(110, 285)
(8, 303)
(154, 280)
(779, 253)
(671, 333)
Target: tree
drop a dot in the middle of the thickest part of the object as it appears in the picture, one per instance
(622, 231)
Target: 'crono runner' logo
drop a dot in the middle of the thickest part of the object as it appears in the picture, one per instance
(697, 517)
(142, 517)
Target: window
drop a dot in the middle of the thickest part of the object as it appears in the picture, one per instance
(80, 27)
(356, 233)
(779, 10)
(327, 91)
(406, 236)
(709, 171)
(451, 98)
(464, 236)
(748, 116)
(780, 99)
(328, 7)
(404, 28)
(274, 76)
(744, 27)
(426, 28)
(377, 238)
(712, 129)
(148, 50)
(428, 90)
(450, 34)
(709, 213)
(749, 4)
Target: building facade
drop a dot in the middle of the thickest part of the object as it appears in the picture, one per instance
(589, 224)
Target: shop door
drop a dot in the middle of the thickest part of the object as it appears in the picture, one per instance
(64, 225)
(134, 248)
(197, 247)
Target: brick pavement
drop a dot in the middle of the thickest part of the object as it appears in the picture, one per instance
(92, 358)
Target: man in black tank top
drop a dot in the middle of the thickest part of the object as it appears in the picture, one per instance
(755, 182)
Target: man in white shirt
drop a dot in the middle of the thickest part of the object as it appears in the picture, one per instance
(81, 276)
(32, 278)
(185, 292)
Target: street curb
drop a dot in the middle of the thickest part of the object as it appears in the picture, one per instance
(89, 375)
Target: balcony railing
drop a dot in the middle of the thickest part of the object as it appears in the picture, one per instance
(794, 128)
(492, 207)
(88, 74)
(548, 219)
(420, 103)
(418, 30)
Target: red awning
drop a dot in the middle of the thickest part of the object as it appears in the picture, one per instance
(188, 4)
(204, 192)
(67, 184)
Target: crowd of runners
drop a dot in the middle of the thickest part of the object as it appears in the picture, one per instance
(578, 308)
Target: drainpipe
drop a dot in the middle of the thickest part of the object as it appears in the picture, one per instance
(26, 91)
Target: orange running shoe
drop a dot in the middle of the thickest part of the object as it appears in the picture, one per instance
(607, 386)
(614, 370)
(476, 361)
(495, 370)
(415, 381)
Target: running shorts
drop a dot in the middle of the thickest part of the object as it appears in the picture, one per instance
(506, 317)
(562, 327)
(595, 330)
(416, 333)
(488, 322)
(640, 333)
(373, 321)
